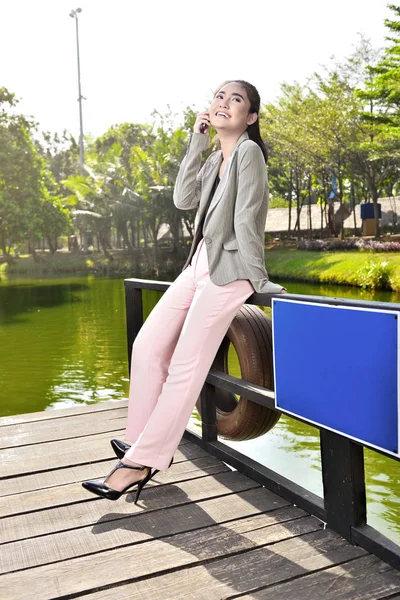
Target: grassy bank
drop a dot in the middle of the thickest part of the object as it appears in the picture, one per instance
(65, 263)
(358, 268)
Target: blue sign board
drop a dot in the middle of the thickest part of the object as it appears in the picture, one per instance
(338, 367)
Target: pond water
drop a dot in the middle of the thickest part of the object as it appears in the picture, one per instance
(63, 343)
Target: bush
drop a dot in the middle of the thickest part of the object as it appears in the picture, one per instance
(276, 202)
(349, 244)
(375, 275)
(377, 246)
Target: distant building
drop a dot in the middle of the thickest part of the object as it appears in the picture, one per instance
(278, 218)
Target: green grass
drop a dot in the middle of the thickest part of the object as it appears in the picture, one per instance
(46, 265)
(341, 268)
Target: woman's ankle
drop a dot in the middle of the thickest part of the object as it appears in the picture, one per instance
(130, 462)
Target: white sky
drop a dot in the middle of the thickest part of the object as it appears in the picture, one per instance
(137, 56)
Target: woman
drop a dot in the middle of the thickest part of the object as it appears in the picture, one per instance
(176, 346)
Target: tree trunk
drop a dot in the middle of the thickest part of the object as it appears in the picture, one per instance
(85, 241)
(125, 236)
(104, 242)
(309, 208)
(144, 234)
(376, 213)
(34, 255)
(133, 235)
(340, 186)
(322, 218)
(189, 228)
(298, 207)
(353, 201)
(52, 246)
(138, 233)
(371, 181)
(290, 201)
(6, 252)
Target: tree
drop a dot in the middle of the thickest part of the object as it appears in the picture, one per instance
(284, 126)
(26, 185)
(379, 152)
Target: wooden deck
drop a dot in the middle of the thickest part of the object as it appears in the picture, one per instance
(200, 531)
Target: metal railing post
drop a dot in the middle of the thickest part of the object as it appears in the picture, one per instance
(208, 413)
(134, 316)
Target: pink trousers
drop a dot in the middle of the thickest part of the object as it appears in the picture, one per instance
(172, 355)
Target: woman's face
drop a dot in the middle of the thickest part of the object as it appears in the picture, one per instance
(230, 109)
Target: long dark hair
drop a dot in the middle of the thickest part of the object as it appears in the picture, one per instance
(255, 101)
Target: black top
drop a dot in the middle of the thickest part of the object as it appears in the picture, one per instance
(199, 230)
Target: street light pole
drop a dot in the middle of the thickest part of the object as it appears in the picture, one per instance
(74, 15)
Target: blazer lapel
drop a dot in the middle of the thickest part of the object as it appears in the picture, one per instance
(222, 184)
(208, 181)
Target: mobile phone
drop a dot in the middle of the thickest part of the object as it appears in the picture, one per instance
(203, 127)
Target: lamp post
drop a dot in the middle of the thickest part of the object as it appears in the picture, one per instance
(74, 15)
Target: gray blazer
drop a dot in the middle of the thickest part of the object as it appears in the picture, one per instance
(235, 221)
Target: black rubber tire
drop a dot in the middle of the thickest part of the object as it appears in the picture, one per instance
(250, 333)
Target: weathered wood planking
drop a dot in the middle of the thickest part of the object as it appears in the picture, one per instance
(54, 455)
(274, 553)
(108, 533)
(366, 578)
(63, 428)
(63, 412)
(89, 512)
(200, 530)
(354, 579)
(54, 477)
(68, 493)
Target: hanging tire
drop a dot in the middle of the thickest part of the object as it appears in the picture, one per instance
(250, 333)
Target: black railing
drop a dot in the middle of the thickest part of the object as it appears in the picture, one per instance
(343, 507)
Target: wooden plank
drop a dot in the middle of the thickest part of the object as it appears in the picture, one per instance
(53, 455)
(62, 424)
(99, 509)
(146, 526)
(62, 412)
(69, 493)
(366, 578)
(208, 583)
(231, 576)
(65, 453)
(237, 543)
(55, 477)
(66, 421)
(62, 429)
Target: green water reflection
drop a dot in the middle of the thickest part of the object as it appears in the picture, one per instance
(63, 343)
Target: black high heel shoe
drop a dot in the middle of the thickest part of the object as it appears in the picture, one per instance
(97, 486)
(120, 448)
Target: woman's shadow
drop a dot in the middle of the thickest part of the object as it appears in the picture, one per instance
(176, 531)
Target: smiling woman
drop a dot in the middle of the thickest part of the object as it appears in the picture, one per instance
(176, 346)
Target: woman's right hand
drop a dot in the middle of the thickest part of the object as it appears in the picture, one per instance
(203, 118)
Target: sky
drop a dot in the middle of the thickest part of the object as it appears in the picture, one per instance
(137, 56)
